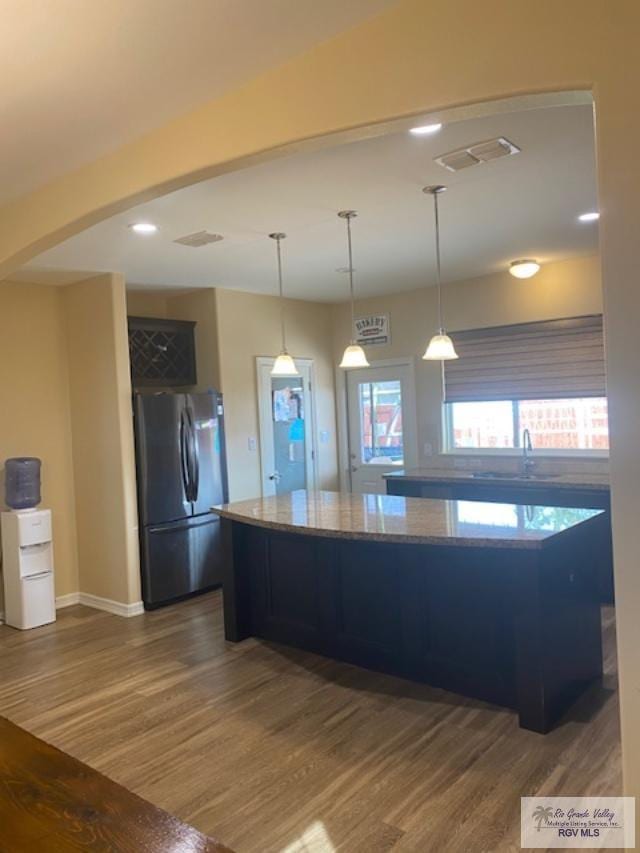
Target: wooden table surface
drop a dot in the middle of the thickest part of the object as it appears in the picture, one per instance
(51, 802)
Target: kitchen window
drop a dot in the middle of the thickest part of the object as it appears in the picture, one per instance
(546, 377)
(573, 424)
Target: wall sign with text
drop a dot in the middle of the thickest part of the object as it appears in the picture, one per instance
(372, 330)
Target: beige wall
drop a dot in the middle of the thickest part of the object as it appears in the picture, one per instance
(145, 303)
(564, 289)
(34, 408)
(103, 455)
(200, 305)
(249, 326)
(65, 395)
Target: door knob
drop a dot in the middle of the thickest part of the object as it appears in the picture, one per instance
(275, 476)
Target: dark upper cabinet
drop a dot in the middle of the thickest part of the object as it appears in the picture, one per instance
(162, 352)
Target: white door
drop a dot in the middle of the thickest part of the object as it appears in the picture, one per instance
(287, 435)
(381, 412)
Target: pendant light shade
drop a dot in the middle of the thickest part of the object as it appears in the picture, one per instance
(284, 365)
(354, 355)
(440, 347)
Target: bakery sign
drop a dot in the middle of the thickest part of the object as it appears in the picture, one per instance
(372, 330)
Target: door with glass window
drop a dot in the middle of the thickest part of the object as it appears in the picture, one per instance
(286, 434)
(382, 424)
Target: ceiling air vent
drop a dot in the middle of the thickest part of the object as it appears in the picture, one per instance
(200, 238)
(479, 152)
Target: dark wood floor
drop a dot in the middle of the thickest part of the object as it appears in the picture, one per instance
(270, 749)
(52, 802)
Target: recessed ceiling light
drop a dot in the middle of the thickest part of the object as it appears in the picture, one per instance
(425, 129)
(524, 269)
(589, 217)
(144, 227)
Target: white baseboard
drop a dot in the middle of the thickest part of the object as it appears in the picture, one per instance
(110, 606)
(67, 600)
(98, 603)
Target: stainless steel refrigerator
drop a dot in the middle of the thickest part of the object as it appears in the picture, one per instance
(181, 473)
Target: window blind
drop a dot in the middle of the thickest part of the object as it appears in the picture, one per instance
(530, 361)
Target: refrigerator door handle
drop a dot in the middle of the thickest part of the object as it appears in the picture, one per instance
(195, 457)
(184, 457)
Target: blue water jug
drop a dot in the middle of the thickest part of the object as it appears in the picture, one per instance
(22, 482)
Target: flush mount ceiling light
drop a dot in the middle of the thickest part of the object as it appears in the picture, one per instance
(524, 269)
(440, 347)
(284, 365)
(593, 216)
(144, 227)
(425, 129)
(354, 354)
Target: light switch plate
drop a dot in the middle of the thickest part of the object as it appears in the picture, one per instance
(251, 443)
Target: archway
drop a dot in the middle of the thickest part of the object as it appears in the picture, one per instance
(397, 65)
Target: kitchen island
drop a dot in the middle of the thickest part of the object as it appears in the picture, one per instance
(497, 602)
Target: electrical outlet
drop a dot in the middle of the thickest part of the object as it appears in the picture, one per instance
(251, 443)
(324, 436)
(427, 448)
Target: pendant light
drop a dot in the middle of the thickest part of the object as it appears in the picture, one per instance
(354, 354)
(284, 365)
(440, 347)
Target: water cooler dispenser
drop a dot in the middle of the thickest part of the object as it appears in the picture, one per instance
(27, 549)
(27, 568)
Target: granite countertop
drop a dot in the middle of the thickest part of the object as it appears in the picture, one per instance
(596, 482)
(387, 518)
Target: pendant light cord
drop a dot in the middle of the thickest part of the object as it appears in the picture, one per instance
(353, 310)
(280, 291)
(443, 387)
(438, 269)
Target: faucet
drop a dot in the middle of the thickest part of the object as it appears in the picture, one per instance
(527, 462)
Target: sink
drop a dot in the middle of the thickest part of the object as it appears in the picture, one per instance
(536, 476)
(504, 475)
(493, 475)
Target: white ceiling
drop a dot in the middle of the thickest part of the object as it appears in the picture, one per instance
(520, 206)
(79, 78)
